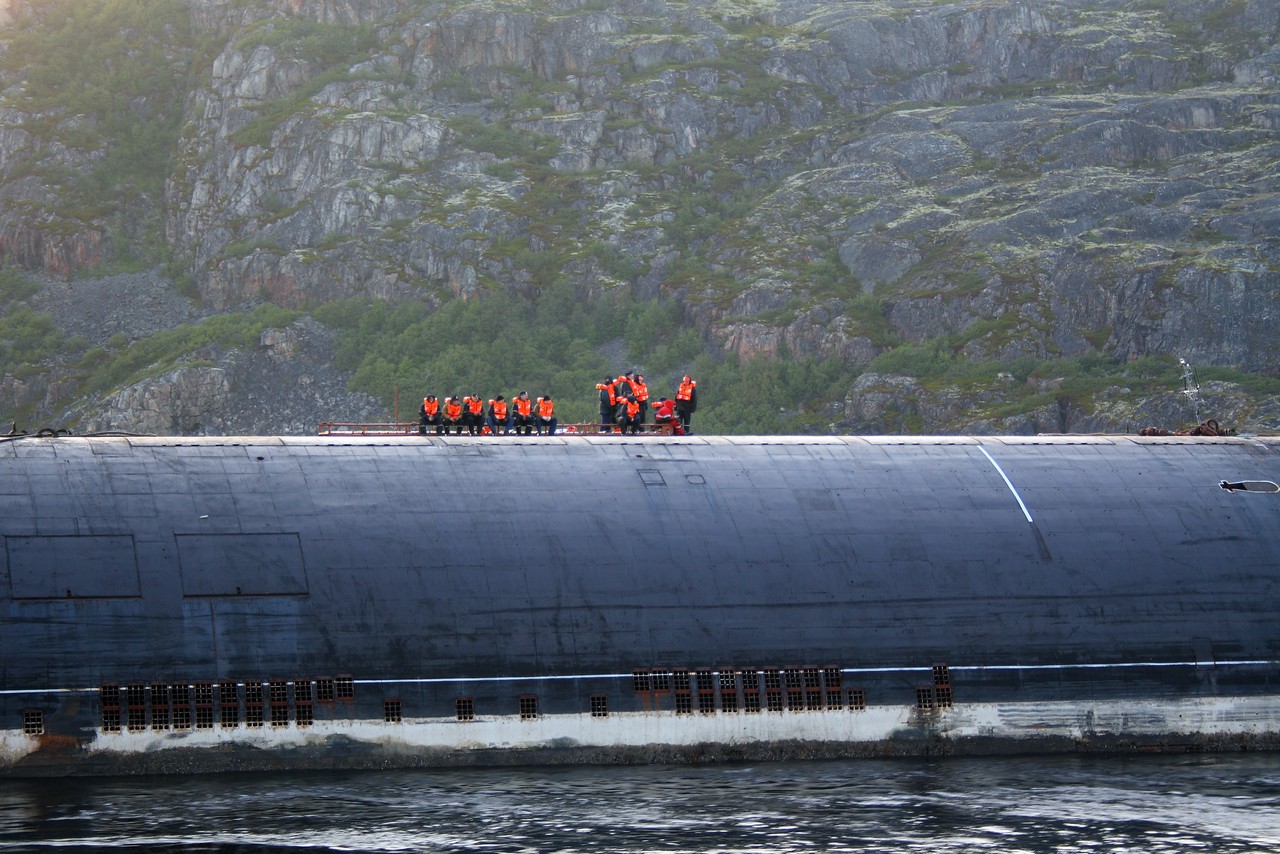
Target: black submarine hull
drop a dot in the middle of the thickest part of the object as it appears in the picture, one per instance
(178, 605)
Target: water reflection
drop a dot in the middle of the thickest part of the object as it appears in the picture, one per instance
(1052, 804)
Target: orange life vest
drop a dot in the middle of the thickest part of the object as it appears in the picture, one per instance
(686, 391)
(613, 401)
(641, 390)
(431, 407)
(499, 409)
(633, 409)
(453, 410)
(524, 406)
(474, 405)
(546, 408)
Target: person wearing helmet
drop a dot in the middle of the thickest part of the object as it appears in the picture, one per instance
(686, 402)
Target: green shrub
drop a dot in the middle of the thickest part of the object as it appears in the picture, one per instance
(160, 352)
(925, 361)
(27, 339)
(617, 264)
(503, 171)
(100, 60)
(503, 141)
(14, 285)
(504, 343)
(322, 44)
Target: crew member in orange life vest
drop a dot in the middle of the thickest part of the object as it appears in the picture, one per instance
(473, 414)
(622, 387)
(607, 404)
(641, 390)
(499, 416)
(629, 415)
(523, 416)
(665, 413)
(686, 402)
(429, 414)
(452, 414)
(546, 411)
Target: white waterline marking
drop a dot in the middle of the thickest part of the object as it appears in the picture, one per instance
(1007, 482)
(854, 670)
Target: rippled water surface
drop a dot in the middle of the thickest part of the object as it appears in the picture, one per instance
(1057, 804)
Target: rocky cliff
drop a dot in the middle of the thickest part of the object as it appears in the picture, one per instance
(964, 196)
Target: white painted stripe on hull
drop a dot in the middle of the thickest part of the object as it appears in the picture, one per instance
(1215, 716)
(955, 668)
(1211, 716)
(1007, 482)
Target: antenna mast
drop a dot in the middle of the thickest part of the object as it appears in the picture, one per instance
(1190, 387)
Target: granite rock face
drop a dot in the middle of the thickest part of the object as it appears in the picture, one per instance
(276, 387)
(801, 177)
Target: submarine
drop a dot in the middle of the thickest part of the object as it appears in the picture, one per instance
(190, 605)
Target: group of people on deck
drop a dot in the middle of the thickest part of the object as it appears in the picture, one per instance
(469, 413)
(624, 405)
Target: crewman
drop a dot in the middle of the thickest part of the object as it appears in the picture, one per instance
(608, 402)
(622, 387)
(452, 414)
(686, 402)
(429, 414)
(546, 410)
(499, 416)
(665, 413)
(641, 390)
(523, 417)
(473, 414)
(629, 414)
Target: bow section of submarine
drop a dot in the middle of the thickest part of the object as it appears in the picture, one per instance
(176, 605)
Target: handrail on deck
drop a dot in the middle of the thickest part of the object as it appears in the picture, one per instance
(405, 428)
(356, 428)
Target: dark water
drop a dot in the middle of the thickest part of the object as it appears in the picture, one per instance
(1059, 804)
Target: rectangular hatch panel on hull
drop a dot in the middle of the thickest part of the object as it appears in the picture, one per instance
(241, 565)
(67, 567)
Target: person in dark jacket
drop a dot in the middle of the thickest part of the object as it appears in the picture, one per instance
(607, 404)
(641, 390)
(622, 387)
(499, 416)
(473, 414)
(522, 417)
(686, 402)
(429, 415)
(544, 411)
(628, 416)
